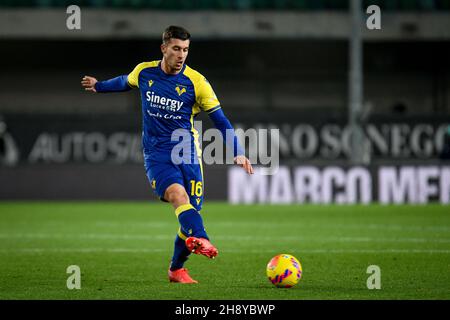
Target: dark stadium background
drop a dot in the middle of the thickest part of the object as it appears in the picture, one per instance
(272, 68)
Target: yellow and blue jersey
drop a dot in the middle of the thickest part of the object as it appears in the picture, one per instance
(170, 102)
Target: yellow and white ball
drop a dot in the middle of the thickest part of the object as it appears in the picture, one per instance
(284, 270)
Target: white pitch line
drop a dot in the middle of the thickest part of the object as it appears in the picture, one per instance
(155, 250)
(150, 237)
(291, 225)
(85, 236)
(258, 225)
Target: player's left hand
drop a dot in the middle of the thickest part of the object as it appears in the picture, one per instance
(243, 162)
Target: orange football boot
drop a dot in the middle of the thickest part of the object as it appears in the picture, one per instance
(180, 275)
(201, 246)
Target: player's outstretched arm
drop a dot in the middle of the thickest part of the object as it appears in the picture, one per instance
(118, 84)
(222, 123)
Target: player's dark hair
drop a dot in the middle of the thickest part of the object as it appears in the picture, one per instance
(174, 32)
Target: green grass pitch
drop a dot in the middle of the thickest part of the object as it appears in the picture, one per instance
(123, 250)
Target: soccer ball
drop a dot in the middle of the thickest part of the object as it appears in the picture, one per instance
(284, 271)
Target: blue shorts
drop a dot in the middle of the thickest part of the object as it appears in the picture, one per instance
(162, 174)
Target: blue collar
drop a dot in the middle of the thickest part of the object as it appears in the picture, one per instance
(171, 75)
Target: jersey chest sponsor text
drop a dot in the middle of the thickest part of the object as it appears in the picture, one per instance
(156, 101)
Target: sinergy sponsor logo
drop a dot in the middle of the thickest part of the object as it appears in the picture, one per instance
(163, 102)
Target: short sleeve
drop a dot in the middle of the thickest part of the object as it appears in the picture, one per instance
(206, 98)
(133, 77)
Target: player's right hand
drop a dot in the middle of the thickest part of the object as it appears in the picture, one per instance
(89, 83)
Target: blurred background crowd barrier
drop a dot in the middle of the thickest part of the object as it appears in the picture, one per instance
(273, 64)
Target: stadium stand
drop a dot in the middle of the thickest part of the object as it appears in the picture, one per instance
(403, 5)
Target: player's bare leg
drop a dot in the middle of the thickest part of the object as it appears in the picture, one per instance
(177, 196)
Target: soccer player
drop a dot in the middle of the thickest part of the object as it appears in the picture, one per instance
(172, 95)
